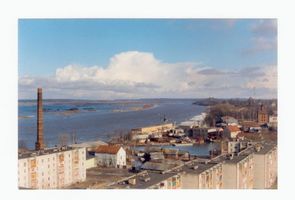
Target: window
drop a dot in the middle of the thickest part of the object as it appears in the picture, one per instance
(25, 164)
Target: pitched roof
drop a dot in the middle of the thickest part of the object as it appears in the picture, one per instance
(109, 149)
(233, 128)
(250, 124)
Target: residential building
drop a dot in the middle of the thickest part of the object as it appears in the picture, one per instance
(228, 120)
(151, 180)
(110, 156)
(202, 176)
(265, 170)
(231, 131)
(238, 172)
(273, 121)
(51, 168)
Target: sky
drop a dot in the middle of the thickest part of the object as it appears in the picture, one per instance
(147, 58)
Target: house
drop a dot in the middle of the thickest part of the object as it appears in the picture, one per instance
(231, 131)
(111, 156)
(228, 120)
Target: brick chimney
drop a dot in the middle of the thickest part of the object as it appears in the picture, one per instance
(39, 145)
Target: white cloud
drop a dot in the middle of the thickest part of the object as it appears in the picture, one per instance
(268, 80)
(264, 36)
(265, 27)
(140, 75)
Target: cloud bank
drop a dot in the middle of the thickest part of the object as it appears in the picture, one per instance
(136, 74)
(264, 36)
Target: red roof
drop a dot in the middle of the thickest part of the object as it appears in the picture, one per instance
(233, 128)
(109, 149)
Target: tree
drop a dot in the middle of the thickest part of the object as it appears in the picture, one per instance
(63, 139)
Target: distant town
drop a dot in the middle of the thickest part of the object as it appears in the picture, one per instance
(243, 133)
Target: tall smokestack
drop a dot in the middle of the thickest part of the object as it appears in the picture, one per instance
(39, 145)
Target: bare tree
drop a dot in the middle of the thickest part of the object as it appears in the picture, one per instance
(22, 145)
(63, 139)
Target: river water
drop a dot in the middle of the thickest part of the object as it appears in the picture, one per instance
(98, 120)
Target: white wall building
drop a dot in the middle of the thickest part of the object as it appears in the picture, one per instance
(203, 176)
(265, 171)
(238, 172)
(231, 131)
(110, 156)
(51, 168)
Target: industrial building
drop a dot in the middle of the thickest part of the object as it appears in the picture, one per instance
(144, 132)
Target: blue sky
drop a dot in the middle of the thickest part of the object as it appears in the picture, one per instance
(49, 47)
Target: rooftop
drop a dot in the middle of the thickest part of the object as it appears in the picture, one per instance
(162, 166)
(201, 167)
(266, 148)
(146, 180)
(250, 124)
(108, 149)
(236, 159)
(232, 128)
(33, 153)
(99, 178)
(89, 144)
